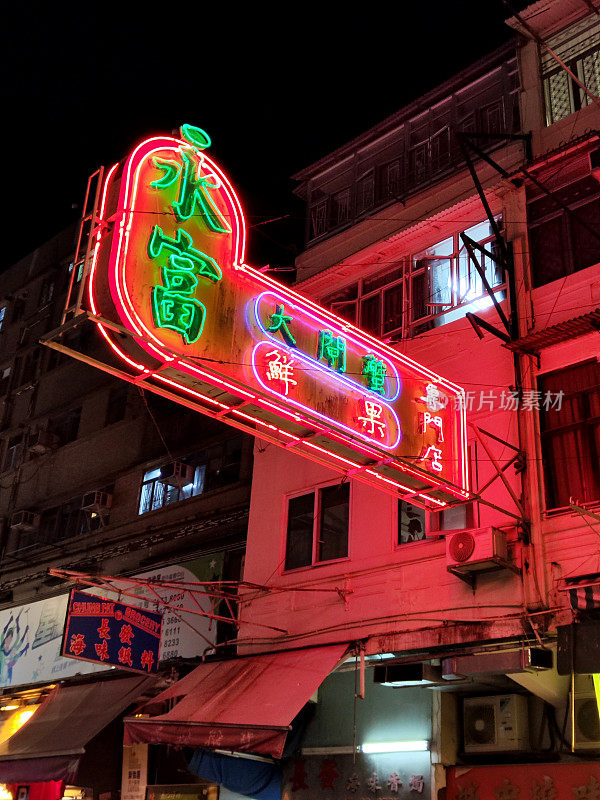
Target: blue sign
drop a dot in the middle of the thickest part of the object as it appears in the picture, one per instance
(110, 633)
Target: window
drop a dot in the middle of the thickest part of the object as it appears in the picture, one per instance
(212, 468)
(317, 526)
(438, 285)
(390, 180)
(411, 523)
(559, 244)
(318, 218)
(18, 309)
(46, 291)
(365, 193)
(69, 520)
(14, 452)
(579, 48)
(5, 374)
(2, 315)
(340, 207)
(31, 364)
(66, 426)
(570, 425)
(117, 404)
(445, 283)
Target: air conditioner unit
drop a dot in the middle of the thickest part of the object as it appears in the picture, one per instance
(41, 441)
(587, 722)
(495, 724)
(25, 521)
(476, 550)
(176, 474)
(96, 502)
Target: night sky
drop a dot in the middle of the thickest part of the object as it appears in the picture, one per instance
(276, 87)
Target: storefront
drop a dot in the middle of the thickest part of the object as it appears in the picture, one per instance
(69, 744)
(509, 781)
(236, 717)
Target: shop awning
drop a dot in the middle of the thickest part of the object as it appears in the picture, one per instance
(245, 704)
(50, 745)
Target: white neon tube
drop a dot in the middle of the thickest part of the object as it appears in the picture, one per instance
(416, 745)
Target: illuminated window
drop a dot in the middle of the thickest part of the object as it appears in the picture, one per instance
(421, 292)
(317, 526)
(2, 315)
(571, 434)
(212, 468)
(445, 283)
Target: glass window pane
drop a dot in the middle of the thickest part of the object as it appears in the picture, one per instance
(411, 523)
(333, 523)
(199, 480)
(548, 252)
(392, 308)
(570, 441)
(145, 498)
(441, 284)
(300, 524)
(370, 313)
(158, 495)
(586, 246)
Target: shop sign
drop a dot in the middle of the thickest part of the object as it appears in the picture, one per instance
(195, 791)
(509, 782)
(134, 777)
(384, 776)
(30, 635)
(110, 633)
(168, 267)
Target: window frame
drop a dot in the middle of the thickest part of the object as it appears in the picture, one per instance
(316, 491)
(411, 325)
(193, 459)
(549, 465)
(567, 223)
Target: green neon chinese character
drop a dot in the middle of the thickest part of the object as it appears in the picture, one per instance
(333, 349)
(182, 245)
(375, 372)
(194, 189)
(280, 323)
(172, 305)
(171, 169)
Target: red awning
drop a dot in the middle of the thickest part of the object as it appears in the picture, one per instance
(245, 704)
(50, 745)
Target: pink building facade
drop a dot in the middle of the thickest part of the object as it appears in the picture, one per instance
(462, 594)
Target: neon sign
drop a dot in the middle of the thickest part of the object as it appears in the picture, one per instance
(212, 332)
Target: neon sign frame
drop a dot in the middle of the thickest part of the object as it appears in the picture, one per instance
(253, 405)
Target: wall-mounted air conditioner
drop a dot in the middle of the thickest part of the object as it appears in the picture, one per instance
(495, 724)
(176, 473)
(586, 734)
(25, 521)
(476, 550)
(96, 502)
(41, 442)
